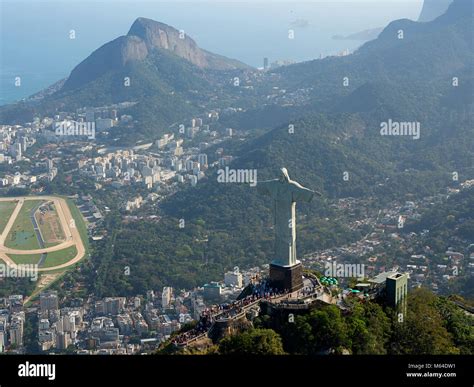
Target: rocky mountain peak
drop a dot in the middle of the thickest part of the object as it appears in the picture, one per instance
(158, 35)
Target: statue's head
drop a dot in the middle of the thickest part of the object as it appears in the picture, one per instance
(284, 175)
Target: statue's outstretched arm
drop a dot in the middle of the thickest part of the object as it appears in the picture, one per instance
(302, 193)
(265, 187)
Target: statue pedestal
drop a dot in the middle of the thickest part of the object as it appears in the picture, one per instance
(286, 277)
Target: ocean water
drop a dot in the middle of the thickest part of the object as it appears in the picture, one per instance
(35, 43)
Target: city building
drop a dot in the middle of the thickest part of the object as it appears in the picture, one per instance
(396, 288)
(212, 291)
(49, 301)
(166, 297)
(233, 278)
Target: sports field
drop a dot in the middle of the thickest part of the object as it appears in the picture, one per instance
(60, 257)
(48, 231)
(22, 235)
(49, 224)
(24, 259)
(44, 230)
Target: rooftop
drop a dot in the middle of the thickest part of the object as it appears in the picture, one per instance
(382, 277)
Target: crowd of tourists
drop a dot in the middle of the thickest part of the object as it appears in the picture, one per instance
(259, 291)
(202, 326)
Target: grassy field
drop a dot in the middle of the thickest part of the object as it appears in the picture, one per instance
(52, 259)
(50, 227)
(22, 235)
(21, 259)
(6, 209)
(59, 257)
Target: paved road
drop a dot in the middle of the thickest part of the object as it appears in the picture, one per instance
(10, 222)
(67, 222)
(39, 237)
(42, 259)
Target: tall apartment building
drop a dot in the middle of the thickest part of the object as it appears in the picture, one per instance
(166, 297)
(49, 301)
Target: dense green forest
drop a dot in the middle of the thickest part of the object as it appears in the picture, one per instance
(9, 286)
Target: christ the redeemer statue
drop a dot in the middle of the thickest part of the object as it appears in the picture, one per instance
(285, 193)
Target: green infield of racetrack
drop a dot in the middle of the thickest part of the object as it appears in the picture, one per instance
(56, 258)
(46, 230)
(24, 259)
(52, 259)
(22, 229)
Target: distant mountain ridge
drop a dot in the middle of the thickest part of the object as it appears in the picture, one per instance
(364, 35)
(404, 49)
(432, 9)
